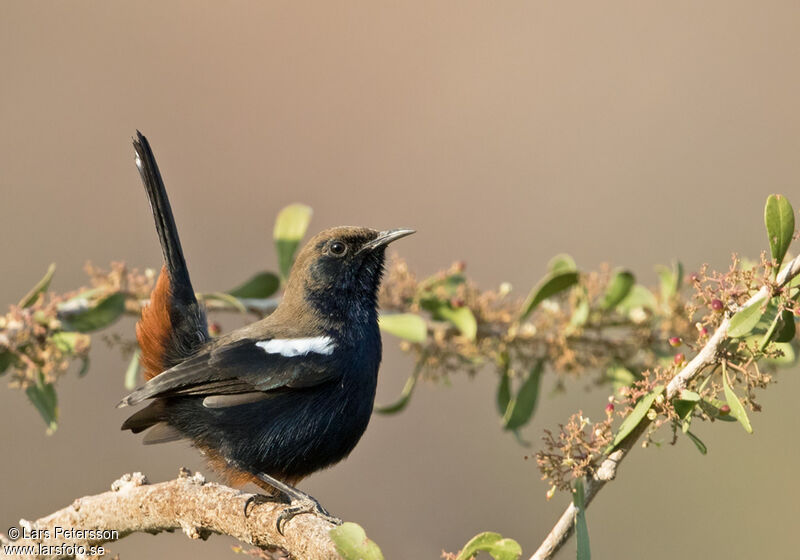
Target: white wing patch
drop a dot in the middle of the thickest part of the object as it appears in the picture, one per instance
(290, 347)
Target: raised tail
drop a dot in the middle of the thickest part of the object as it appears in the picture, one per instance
(173, 325)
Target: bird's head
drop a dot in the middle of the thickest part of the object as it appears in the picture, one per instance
(339, 270)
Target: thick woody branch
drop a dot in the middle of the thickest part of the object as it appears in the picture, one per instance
(608, 468)
(189, 504)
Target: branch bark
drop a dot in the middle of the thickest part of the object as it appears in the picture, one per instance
(188, 503)
(607, 471)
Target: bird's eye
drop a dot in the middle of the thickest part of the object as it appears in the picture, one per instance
(338, 248)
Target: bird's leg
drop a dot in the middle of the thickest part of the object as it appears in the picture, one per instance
(299, 502)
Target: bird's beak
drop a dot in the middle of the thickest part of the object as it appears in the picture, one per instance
(385, 237)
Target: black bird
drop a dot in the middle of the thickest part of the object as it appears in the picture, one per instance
(281, 398)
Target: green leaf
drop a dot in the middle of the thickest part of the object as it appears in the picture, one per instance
(352, 543)
(402, 402)
(521, 409)
(520, 440)
(84, 366)
(635, 417)
(581, 529)
(678, 273)
(561, 263)
(690, 396)
(767, 317)
(7, 359)
(683, 407)
(580, 314)
(132, 372)
(788, 357)
(638, 297)
(41, 286)
(549, 286)
(437, 286)
(779, 219)
(737, 409)
(498, 547)
(619, 376)
(290, 228)
(786, 327)
(712, 408)
(460, 317)
(765, 340)
(408, 326)
(671, 279)
(73, 343)
(618, 289)
(686, 423)
(99, 316)
(70, 342)
(701, 447)
(781, 325)
(226, 298)
(81, 297)
(504, 387)
(44, 398)
(745, 320)
(260, 286)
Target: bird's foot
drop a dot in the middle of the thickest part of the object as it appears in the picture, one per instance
(304, 504)
(299, 502)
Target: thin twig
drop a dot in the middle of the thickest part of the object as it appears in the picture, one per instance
(133, 306)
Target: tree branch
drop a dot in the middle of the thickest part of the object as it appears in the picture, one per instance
(607, 471)
(188, 503)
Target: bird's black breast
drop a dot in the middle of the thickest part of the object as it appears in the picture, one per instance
(294, 431)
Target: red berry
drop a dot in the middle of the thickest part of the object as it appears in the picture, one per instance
(675, 341)
(717, 305)
(724, 409)
(456, 302)
(679, 358)
(609, 408)
(703, 331)
(214, 328)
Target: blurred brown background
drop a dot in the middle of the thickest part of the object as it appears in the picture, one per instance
(504, 132)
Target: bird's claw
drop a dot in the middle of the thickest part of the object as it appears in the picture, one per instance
(249, 501)
(304, 505)
(254, 500)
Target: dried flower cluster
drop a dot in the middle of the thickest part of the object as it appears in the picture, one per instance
(33, 346)
(447, 349)
(119, 278)
(575, 451)
(37, 340)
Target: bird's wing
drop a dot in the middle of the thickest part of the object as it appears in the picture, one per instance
(245, 366)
